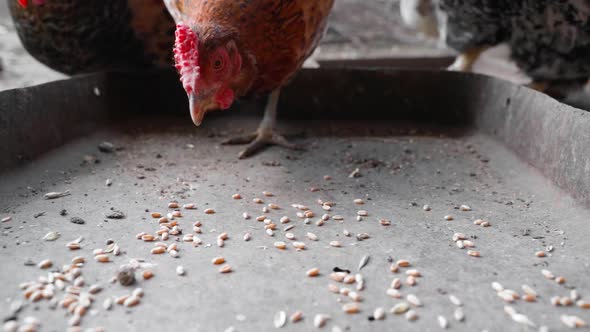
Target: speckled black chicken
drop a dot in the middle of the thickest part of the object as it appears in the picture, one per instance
(549, 39)
(74, 37)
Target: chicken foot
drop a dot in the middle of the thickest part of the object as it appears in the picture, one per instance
(464, 61)
(266, 133)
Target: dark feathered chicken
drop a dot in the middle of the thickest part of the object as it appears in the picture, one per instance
(73, 36)
(227, 48)
(549, 39)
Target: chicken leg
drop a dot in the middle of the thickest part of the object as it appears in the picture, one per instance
(464, 61)
(266, 133)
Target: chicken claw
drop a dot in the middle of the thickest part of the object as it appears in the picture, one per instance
(266, 133)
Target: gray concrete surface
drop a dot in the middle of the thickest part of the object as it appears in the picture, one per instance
(526, 212)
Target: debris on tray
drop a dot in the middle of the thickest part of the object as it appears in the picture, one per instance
(51, 236)
(77, 220)
(115, 214)
(106, 147)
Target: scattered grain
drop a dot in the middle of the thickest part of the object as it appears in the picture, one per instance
(351, 308)
(400, 308)
(45, 264)
(473, 253)
(336, 244)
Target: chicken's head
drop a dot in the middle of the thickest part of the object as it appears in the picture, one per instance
(209, 73)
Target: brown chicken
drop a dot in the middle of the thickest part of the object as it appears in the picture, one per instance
(227, 48)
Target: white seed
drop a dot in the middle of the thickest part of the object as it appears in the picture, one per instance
(522, 319)
(280, 319)
(344, 291)
(351, 308)
(400, 308)
(359, 201)
(220, 242)
(566, 301)
(138, 292)
(247, 236)
(296, 316)
(583, 304)
(547, 274)
(393, 293)
(560, 280)
(11, 325)
(459, 315)
(284, 220)
(345, 232)
(280, 245)
(359, 218)
(486, 224)
(338, 217)
(189, 206)
(396, 283)
(473, 253)
(209, 211)
(465, 208)
(333, 288)
(460, 244)
(572, 321)
(96, 288)
(245, 215)
(413, 273)
(180, 270)
(290, 236)
(384, 222)
(225, 269)
(459, 236)
(355, 296)
(413, 300)
(379, 313)
(267, 194)
(497, 286)
(299, 245)
(478, 222)
(574, 295)
(338, 276)
(265, 209)
(442, 322)
(528, 290)
(411, 315)
(411, 281)
(270, 232)
(51, 236)
(555, 300)
(455, 300)
(426, 208)
(274, 206)
(312, 236)
(131, 301)
(236, 196)
(45, 264)
(335, 244)
(362, 213)
(320, 320)
(6, 219)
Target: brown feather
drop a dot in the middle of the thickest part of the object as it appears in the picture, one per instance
(278, 34)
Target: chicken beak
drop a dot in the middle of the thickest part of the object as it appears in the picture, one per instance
(197, 111)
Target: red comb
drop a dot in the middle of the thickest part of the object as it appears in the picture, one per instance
(186, 56)
(23, 3)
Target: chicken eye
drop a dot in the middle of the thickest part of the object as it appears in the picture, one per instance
(218, 64)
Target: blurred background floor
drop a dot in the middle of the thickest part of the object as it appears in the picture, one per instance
(359, 30)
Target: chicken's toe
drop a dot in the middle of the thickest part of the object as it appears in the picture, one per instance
(259, 140)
